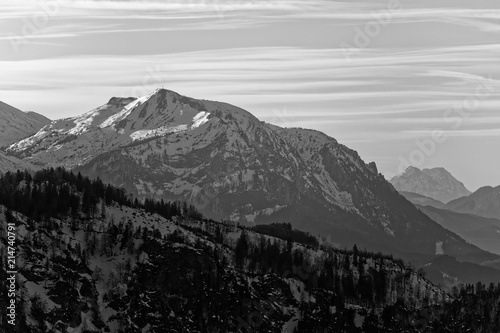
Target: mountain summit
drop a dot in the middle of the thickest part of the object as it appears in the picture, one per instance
(232, 166)
(435, 183)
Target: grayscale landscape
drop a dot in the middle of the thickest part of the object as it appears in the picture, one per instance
(249, 166)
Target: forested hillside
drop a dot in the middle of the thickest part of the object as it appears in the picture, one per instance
(93, 259)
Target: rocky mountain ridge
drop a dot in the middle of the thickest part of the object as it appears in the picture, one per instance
(232, 166)
(435, 183)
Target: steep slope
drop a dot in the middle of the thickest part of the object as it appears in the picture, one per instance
(484, 202)
(123, 268)
(232, 166)
(72, 141)
(422, 200)
(480, 231)
(105, 275)
(436, 183)
(448, 272)
(16, 124)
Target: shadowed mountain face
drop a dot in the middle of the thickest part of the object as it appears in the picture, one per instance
(232, 166)
(480, 231)
(436, 183)
(484, 202)
(422, 200)
(459, 271)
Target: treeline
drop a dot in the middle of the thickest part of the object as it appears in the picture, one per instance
(199, 279)
(58, 193)
(352, 275)
(284, 231)
(475, 307)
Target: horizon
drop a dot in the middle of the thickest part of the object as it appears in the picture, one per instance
(419, 86)
(388, 179)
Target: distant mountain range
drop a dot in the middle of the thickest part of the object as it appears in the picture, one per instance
(232, 166)
(484, 202)
(422, 200)
(475, 217)
(481, 231)
(436, 183)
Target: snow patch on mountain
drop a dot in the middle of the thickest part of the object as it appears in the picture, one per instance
(83, 123)
(26, 143)
(267, 211)
(145, 134)
(200, 119)
(439, 248)
(127, 110)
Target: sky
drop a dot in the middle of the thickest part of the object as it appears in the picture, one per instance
(403, 82)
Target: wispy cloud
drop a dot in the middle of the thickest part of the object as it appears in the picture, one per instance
(265, 55)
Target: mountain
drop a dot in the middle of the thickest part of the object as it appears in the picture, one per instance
(111, 264)
(232, 166)
(422, 200)
(121, 267)
(436, 183)
(16, 124)
(484, 202)
(449, 272)
(480, 231)
(11, 163)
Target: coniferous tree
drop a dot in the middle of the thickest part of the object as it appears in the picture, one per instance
(241, 250)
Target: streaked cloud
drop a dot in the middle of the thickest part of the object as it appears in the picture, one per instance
(265, 56)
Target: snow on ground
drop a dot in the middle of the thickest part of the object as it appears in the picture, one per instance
(358, 320)
(144, 134)
(86, 324)
(23, 144)
(200, 119)
(291, 325)
(439, 248)
(125, 111)
(298, 289)
(34, 288)
(83, 122)
(267, 211)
